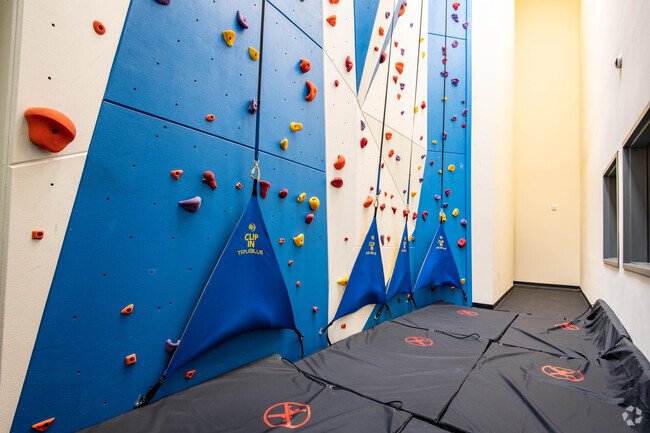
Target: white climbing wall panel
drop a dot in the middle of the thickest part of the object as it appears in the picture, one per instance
(344, 112)
(61, 63)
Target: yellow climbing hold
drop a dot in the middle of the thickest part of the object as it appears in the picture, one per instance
(439, 171)
(415, 109)
(423, 54)
(314, 203)
(451, 167)
(229, 37)
(295, 126)
(302, 197)
(444, 98)
(419, 167)
(421, 40)
(443, 217)
(455, 212)
(343, 281)
(462, 281)
(414, 193)
(253, 53)
(410, 238)
(299, 240)
(434, 142)
(284, 144)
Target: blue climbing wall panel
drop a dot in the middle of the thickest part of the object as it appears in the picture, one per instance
(457, 151)
(128, 241)
(365, 12)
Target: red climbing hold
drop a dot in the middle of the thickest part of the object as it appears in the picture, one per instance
(447, 192)
(37, 234)
(348, 64)
(315, 309)
(382, 58)
(311, 91)
(343, 326)
(264, 188)
(423, 105)
(364, 142)
(400, 67)
(337, 182)
(43, 425)
(463, 125)
(331, 20)
(462, 243)
(368, 202)
(394, 209)
(208, 179)
(455, 5)
(336, 83)
(395, 78)
(189, 374)
(396, 44)
(176, 173)
(238, 185)
(376, 48)
(388, 238)
(405, 213)
(209, 117)
(340, 162)
(383, 206)
(130, 359)
(425, 214)
(127, 310)
(99, 27)
(305, 65)
(415, 215)
(309, 218)
(49, 129)
(283, 193)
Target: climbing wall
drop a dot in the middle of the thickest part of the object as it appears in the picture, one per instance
(178, 99)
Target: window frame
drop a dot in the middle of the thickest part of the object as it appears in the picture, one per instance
(611, 172)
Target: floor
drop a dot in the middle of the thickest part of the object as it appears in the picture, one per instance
(542, 301)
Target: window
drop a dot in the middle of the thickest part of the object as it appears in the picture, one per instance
(610, 213)
(636, 196)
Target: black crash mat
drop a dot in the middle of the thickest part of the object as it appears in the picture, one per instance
(513, 389)
(259, 397)
(445, 317)
(417, 426)
(589, 336)
(419, 368)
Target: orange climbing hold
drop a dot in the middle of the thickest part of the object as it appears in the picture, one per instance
(400, 67)
(49, 129)
(99, 27)
(368, 202)
(391, 152)
(189, 374)
(402, 10)
(389, 135)
(176, 173)
(290, 262)
(238, 185)
(334, 2)
(381, 31)
(127, 310)
(343, 326)
(43, 425)
(388, 238)
(331, 20)
(340, 162)
(305, 65)
(311, 91)
(209, 117)
(37, 234)
(130, 359)
(281, 241)
(297, 283)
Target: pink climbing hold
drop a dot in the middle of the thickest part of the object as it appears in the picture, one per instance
(463, 222)
(252, 107)
(364, 142)
(437, 197)
(309, 218)
(337, 182)
(264, 188)
(283, 193)
(454, 118)
(465, 25)
(241, 19)
(454, 44)
(348, 64)
(171, 347)
(462, 243)
(208, 179)
(191, 205)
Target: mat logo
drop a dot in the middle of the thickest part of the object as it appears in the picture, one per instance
(419, 341)
(371, 245)
(287, 414)
(562, 373)
(250, 239)
(568, 326)
(467, 313)
(441, 244)
(630, 418)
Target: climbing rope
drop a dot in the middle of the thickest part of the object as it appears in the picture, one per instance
(444, 106)
(259, 106)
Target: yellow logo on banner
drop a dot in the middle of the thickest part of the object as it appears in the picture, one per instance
(250, 239)
(404, 243)
(371, 244)
(441, 244)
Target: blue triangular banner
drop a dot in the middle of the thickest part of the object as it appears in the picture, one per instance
(439, 267)
(366, 283)
(400, 281)
(246, 292)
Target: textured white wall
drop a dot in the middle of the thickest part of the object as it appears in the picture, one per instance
(493, 68)
(58, 62)
(611, 102)
(343, 114)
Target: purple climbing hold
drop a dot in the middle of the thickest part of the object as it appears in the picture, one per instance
(463, 222)
(437, 197)
(404, 191)
(398, 158)
(455, 81)
(191, 205)
(402, 112)
(381, 238)
(444, 74)
(401, 86)
(387, 14)
(454, 118)
(363, 125)
(465, 112)
(252, 107)
(423, 156)
(411, 24)
(465, 25)
(171, 347)
(421, 179)
(445, 205)
(444, 135)
(163, 2)
(402, 50)
(242, 20)
(454, 44)
(454, 17)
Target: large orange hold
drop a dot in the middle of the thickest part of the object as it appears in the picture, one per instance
(400, 67)
(331, 20)
(43, 425)
(311, 91)
(49, 129)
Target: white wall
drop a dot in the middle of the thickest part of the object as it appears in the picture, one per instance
(493, 68)
(54, 60)
(547, 136)
(611, 102)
